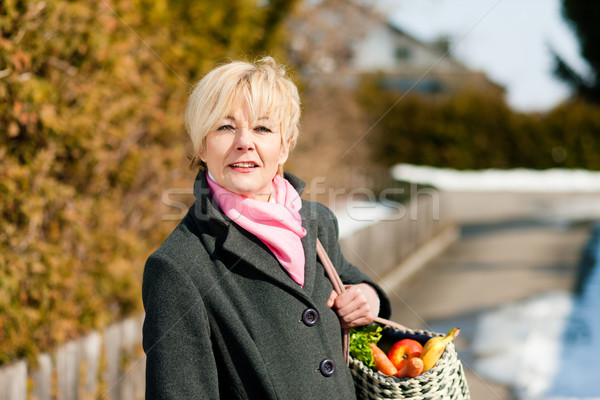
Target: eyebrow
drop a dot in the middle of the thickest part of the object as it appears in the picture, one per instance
(230, 118)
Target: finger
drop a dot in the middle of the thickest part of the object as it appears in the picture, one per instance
(355, 319)
(353, 311)
(351, 299)
(332, 298)
(346, 298)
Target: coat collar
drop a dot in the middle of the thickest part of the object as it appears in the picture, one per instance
(206, 208)
(244, 246)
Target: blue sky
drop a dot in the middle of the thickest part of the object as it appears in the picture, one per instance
(508, 39)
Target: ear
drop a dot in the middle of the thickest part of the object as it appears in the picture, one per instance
(284, 152)
(202, 153)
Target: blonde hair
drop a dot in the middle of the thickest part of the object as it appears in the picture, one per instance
(264, 86)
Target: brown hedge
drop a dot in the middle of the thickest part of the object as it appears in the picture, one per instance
(91, 136)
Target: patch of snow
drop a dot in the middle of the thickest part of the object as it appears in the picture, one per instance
(547, 347)
(354, 216)
(519, 343)
(511, 180)
(578, 375)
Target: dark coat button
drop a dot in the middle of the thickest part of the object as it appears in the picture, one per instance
(310, 316)
(327, 367)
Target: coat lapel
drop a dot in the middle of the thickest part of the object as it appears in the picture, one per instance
(309, 242)
(246, 251)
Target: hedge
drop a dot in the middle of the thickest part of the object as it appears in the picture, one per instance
(476, 130)
(91, 117)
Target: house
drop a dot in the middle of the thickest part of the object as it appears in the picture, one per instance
(405, 63)
(340, 41)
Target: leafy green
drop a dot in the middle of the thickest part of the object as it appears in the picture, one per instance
(360, 342)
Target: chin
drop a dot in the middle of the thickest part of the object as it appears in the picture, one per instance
(246, 185)
(243, 190)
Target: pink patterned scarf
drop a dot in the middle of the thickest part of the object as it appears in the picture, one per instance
(277, 224)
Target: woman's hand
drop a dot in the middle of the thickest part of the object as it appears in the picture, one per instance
(357, 305)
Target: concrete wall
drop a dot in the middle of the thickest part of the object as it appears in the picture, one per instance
(380, 250)
(111, 364)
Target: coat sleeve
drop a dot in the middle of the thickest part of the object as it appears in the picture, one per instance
(349, 273)
(176, 336)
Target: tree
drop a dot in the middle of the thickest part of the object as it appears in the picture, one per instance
(582, 16)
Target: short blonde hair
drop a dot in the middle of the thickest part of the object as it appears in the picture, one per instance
(263, 85)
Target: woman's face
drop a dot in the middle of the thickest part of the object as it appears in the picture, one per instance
(243, 156)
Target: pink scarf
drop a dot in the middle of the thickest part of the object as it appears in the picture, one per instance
(277, 224)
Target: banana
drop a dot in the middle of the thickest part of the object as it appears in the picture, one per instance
(434, 348)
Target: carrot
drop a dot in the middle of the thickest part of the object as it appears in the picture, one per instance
(410, 368)
(414, 367)
(402, 368)
(382, 362)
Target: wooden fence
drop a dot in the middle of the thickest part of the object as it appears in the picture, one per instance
(102, 365)
(111, 364)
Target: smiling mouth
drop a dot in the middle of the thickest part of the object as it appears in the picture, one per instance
(243, 165)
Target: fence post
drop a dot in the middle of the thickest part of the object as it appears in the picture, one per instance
(41, 378)
(90, 350)
(67, 370)
(13, 381)
(112, 351)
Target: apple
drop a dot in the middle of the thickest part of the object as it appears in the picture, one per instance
(403, 350)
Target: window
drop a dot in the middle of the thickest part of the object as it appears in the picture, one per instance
(402, 53)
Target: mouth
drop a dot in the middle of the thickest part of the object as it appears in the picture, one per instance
(244, 164)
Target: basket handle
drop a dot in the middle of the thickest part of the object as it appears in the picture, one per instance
(338, 286)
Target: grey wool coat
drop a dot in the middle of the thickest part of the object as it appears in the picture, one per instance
(224, 320)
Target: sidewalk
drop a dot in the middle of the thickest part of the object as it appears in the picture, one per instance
(512, 246)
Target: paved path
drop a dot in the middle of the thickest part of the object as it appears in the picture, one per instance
(505, 253)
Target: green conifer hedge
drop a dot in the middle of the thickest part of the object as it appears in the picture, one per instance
(477, 130)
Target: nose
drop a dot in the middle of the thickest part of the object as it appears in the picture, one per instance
(243, 140)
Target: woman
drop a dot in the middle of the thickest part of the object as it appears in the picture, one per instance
(237, 304)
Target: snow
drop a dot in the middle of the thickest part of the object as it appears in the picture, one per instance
(547, 347)
(578, 374)
(512, 180)
(519, 343)
(354, 216)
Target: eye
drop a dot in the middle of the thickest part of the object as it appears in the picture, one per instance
(262, 128)
(225, 128)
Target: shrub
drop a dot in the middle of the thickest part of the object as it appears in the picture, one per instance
(91, 120)
(475, 130)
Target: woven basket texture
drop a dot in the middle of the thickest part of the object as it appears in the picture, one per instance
(445, 381)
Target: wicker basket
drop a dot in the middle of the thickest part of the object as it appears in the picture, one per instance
(445, 381)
